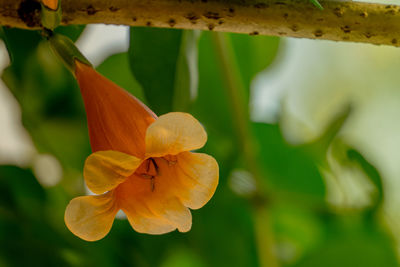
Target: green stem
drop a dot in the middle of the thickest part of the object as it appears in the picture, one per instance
(265, 237)
(236, 93)
(66, 50)
(51, 18)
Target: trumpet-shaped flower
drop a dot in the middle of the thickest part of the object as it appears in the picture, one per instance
(141, 164)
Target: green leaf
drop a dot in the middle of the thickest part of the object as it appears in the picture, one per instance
(352, 243)
(286, 168)
(317, 4)
(351, 158)
(117, 69)
(182, 257)
(21, 44)
(161, 63)
(187, 77)
(23, 189)
(211, 107)
(253, 54)
(219, 239)
(73, 32)
(296, 227)
(319, 147)
(24, 224)
(297, 168)
(51, 105)
(370, 170)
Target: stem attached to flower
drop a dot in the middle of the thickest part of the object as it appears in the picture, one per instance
(66, 50)
(236, 94)
(51, 13)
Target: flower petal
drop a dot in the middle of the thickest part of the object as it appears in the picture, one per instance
(91, 217)
(192, 177)
(173, 133)
(158, 217)
(152, 210)
(116, 119)
(148, 225)
(197, 177)
(105, 170)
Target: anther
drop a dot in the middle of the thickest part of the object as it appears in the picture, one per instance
(155, 164)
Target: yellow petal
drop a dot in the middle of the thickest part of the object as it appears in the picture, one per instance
(197, 175)
(105, 170)
(173, 211)
(173, 133)
(91, 217)
(152, 212)
(158, 218)
(148, 225)
(192, 177)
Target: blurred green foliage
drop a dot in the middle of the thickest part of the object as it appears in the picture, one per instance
(317, 4)
(52, 109)
(180, 70)
(170, 90)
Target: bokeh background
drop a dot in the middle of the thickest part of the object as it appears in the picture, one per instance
(306, 135)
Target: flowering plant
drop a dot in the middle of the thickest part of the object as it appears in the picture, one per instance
(141, 163)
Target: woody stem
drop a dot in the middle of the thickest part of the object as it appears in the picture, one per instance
(236, 93)
(339, 21)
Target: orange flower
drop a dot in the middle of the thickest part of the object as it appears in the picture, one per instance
(141, 164)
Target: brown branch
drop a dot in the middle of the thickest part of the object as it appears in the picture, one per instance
(339, 21)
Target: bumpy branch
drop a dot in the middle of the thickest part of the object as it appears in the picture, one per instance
(339, 21)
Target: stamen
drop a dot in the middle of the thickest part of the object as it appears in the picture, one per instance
(155, 164)
(152, 184)
(149, 170)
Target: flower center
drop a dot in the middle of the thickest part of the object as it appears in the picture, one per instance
(149, 168)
